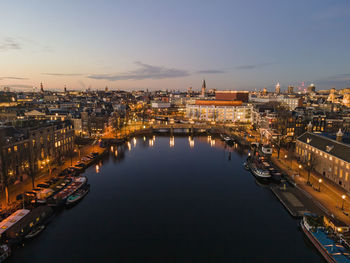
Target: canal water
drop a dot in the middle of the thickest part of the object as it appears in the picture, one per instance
(172, 200)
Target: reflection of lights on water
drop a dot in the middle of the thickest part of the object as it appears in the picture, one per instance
(191, 141)
(154, 138)
(209, 138)
(172, 141)
(144, 138)
(151, 142)
(97, 168)
(212, 142)
(111, 148)
(116, 153)
(129, 146)
(135, 141)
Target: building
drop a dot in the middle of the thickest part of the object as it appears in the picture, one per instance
(291, 102)
(219, 111)
(311, 88)
(232, 95)
(33, 149)
(278, 88)
(290, 90)
(332, 158)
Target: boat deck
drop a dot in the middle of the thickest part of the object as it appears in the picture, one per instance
(295, 202)
(335, 250)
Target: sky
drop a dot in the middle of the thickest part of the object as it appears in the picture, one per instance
(174, 45)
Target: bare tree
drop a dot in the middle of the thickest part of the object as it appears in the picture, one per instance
(309, 164)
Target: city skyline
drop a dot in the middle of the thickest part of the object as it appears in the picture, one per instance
(166, 45)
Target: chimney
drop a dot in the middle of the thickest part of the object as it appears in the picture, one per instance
(339, 136)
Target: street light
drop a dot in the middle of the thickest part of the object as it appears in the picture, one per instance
(319, 184)
(342, 206)
(299, 168)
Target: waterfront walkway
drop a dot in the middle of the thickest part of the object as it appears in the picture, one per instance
(329, 198)
(26, 185)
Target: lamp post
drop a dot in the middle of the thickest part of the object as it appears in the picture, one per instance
(342, 205)
(319, 184)
(299, 168)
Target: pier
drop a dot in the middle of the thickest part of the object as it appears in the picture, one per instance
(295, 202)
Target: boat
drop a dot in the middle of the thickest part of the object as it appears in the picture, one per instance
(245, 164)
(258, 170)
(35, 232)
(61, 197)
(78, 195)
(324, 239)
(5, 252)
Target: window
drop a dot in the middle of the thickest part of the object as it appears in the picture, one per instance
(15, 148)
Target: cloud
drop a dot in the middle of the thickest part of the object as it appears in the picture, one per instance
(253, 66)
(13, 78)
(21, 86)
(63, 74)
(210, 71)
(338, 80)
(9, 44)
(145, 71)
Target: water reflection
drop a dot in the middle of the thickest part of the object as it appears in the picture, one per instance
(129, 145)
(191, 141)
(134, 141)
(172, 141)
(97, 168)
(151, 142)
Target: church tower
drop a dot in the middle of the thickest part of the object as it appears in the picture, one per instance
(203, 88)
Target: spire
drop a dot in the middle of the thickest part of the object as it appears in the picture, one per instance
(203, 88)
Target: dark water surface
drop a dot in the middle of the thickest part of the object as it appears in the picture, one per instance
(172, 204)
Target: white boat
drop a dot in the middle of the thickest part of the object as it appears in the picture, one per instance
(257, 171)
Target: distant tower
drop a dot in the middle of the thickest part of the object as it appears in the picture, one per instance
(278, 88)
(41, 87)
(106, 89)
(290, 90)
(65, 89)
(264, 91)
(311, 88)
(203, 88)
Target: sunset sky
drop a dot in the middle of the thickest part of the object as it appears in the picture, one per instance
(174, 44)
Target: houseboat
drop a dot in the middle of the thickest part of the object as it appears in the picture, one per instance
(325, 239)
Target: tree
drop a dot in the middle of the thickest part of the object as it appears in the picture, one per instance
(309, 164)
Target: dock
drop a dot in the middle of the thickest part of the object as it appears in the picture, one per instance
(295, 202)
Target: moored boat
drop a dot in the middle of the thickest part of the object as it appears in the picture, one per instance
(78, 195)
(324, 239)
(61, 197)
(258, 170)
(35, 232)
(5, 252)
